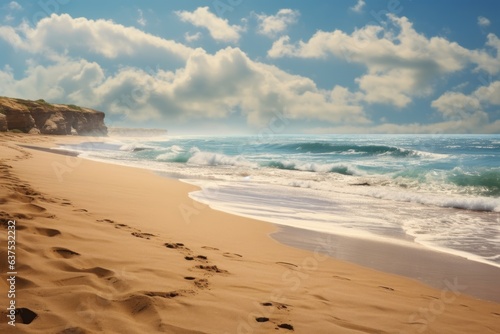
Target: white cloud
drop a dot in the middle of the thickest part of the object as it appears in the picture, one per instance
(484, 60)
(141, 20)
(71, 81)
(13, 5)
(80, 37)
(489, 94)
(192, 38)
(271, 25)
(467, 113)
(358, 7)
(11, 36)
(257, 89)
(219, 29)
(401, 63)
(483, 21)
(455, 105)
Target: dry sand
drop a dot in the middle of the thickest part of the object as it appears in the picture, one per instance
(103, 248)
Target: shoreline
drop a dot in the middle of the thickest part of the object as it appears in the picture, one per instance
(434, 268)
(120, 249)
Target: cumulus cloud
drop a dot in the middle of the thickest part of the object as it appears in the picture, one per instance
(483, 21)
(358, 7)
(401, 63)
(72, 81)
(454, 105)
(272, 25)
(462, 113)
(80, 37)
(468, 113)
(219, 29)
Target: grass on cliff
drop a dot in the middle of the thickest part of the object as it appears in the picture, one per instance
(72, 106)
(38, 103)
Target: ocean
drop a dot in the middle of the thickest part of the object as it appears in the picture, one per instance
(438, 191)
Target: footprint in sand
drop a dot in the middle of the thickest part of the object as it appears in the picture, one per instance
(210, 248)
(26, 315)
(81, 210)
(109, 221)
(201, 258)
(278, 323)
(64, 252)
(212, 269)
(48, 232)
(171, 294)
(286, 326)
(201, 283)
(178, 245)
(143, 235)
(277, 305)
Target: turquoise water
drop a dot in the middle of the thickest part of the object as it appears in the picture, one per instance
(440, 191)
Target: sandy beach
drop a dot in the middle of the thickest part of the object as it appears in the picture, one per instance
(110, 249)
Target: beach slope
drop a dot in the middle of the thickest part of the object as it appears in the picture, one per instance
(104, 248)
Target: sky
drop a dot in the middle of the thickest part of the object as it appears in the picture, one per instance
(250, 66)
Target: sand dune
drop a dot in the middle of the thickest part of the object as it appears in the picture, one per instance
(110, 249)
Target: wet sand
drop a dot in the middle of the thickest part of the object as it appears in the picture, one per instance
(439, 270)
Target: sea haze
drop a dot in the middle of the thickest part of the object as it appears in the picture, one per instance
(439, 191)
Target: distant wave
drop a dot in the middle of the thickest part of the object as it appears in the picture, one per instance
(339, 168)
(320, 147)
(197, 157)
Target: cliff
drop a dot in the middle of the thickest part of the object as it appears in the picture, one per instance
(52, 119)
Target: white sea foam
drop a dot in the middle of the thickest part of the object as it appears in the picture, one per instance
(216, 159)
(442, 200)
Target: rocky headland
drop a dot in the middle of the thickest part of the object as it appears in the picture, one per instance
(40, 117)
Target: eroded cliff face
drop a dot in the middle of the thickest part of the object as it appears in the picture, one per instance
(53, 119)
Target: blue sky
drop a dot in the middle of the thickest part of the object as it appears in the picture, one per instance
(241, 66)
